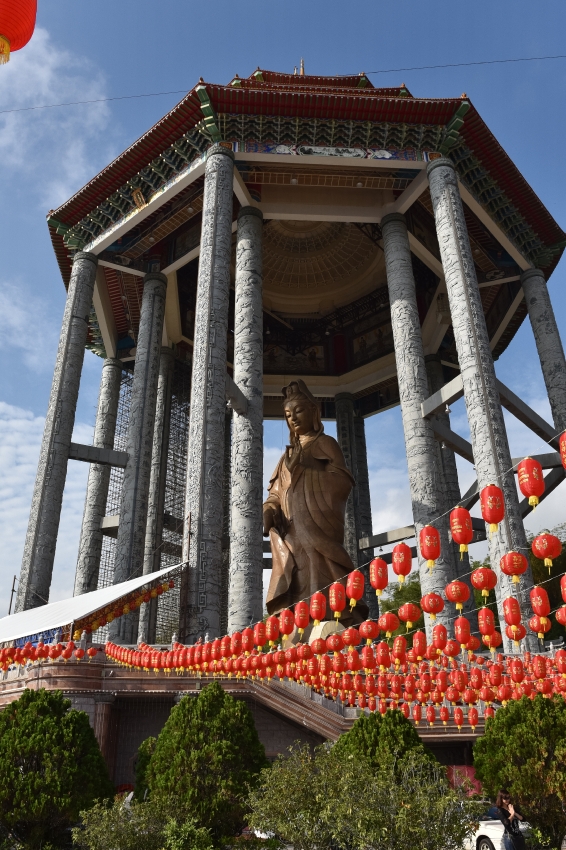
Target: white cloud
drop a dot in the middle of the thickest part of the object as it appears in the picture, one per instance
(20, 440)
(21, 310)
(54, 148)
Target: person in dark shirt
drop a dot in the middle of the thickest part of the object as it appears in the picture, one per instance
(510, 817)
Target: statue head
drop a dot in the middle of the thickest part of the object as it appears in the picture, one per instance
(302, 412)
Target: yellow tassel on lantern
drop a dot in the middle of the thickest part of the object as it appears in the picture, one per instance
(493, 526)
(463, 548)
(430, 564)
(533, 501)
(4, 50)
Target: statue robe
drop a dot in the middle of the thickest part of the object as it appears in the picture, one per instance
(308, 552)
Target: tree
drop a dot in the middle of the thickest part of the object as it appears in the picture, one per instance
(145, 752)
(376, 738)
(206, 755)
(324, 799)
(524, 751)
(137, 826)
(51, 768)
(397, 595)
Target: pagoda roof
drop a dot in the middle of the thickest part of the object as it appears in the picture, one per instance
(338, 98)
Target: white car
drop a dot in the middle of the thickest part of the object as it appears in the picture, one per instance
(489, 834)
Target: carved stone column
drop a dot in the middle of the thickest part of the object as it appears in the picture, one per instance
(157, 482)
(245, 595)
(364, 519)
(45, 513)
(450, 484)
(105, 729)
(203, 513)
(487, 427)
(346, 437)
(549, 344)
(90, 545)
(424, 476)
(130, 544)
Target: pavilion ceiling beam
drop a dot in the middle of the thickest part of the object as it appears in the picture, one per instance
(423, 254)
(408, 197)
(506, 319)
(120, 267)
(104, 313)
(493, 228)
(486, 283)
(345, 161)
(241, 191)
(527, 415)
(162, 196)
(453, 441)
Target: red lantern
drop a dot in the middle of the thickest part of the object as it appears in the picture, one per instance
(236, 644)
(378, 575)
(547, 547)
(452, 648)
(531, 480)
(351, 637)
(334, 643)
(286, 622)
(516, 633)
(382, 655)
(388, 623)
(417, 714)
(473, 644)
(458, 717)
(430, 714)
(473, 717)
(540, 602)
(486, 621)
(17, 23)
(429, 542)
(514, 564)
(492, 641)
(540, 625)
(355, 587)
(492, 506)
(461, 528)
(409, 614)
(457, 592)
(432, 604)
(561, 616)
(369, 630)
(399, 650)
(337, 598)
(247, 640)
(419, 644)
(402, 559)
(511, 611)
(462, 631)
(260, 634)
(483, 579)
(439, 637)
(302, 617)
(272, 630)
(318, 607)
(562, 446)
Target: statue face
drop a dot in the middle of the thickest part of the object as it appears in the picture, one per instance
(300, 417)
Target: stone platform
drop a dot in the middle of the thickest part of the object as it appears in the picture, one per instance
(127, 706)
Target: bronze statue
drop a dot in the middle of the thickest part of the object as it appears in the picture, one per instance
(304, 512)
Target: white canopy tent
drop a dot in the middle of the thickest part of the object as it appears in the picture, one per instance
(56, 615)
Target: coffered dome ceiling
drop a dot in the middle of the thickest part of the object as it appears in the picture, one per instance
(312, 266)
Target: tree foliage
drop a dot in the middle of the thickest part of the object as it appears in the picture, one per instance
(399, 593)
(205, 757)
(377, 738)
(51, 768)
(325, 799)
(524, 750)
(145, 752)
(137, 826)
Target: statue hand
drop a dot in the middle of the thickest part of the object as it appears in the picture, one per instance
(295, 458)
(271, 519)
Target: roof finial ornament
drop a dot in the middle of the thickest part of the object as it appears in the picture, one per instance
(302, 71)
(295, 71)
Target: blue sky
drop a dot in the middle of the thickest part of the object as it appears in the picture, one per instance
(86, 51)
